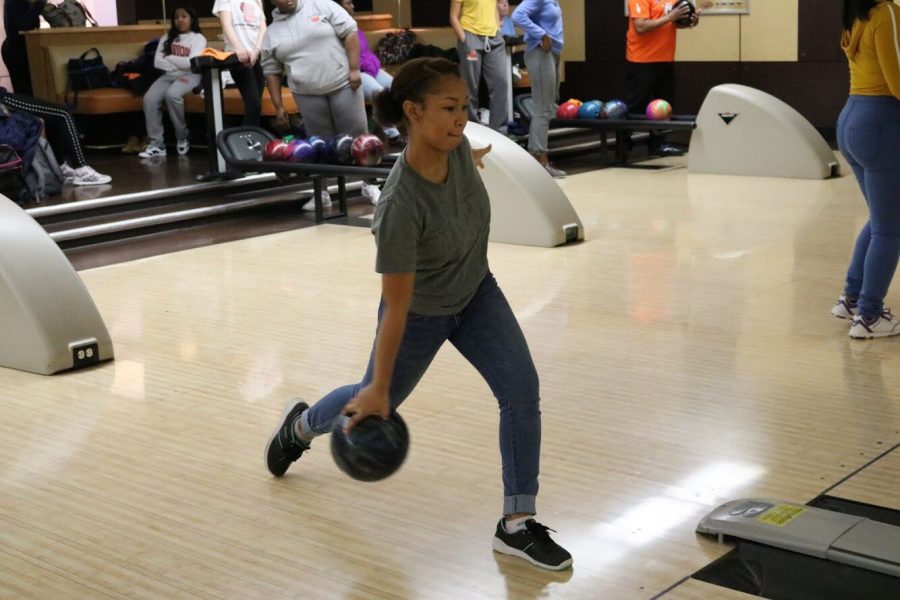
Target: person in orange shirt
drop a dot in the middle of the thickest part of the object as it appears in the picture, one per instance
(650, 52)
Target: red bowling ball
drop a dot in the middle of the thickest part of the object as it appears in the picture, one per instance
(568, 110)
(367, 150)
(274, 150)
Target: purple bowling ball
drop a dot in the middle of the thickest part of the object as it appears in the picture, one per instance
(301, 152)
(320, 146)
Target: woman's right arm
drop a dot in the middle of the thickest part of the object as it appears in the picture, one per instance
(396, 294)
(887, 38)
(455, 11)
(273, 82)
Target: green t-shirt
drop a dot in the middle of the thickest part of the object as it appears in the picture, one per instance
(437, 230)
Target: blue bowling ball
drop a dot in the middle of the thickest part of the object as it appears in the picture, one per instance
(590, 110)
(343, 149)
(320, 146)
(301, 152)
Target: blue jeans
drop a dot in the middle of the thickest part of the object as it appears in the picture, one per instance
(487, 334)
(869, 138)
(372, 86)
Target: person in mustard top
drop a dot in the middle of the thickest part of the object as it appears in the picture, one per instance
(869, 138)
(482, 51)
(650, 52)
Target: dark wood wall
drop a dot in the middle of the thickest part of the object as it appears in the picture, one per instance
(131, 11)
(816, 85)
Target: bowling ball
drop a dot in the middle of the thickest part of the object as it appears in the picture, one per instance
(343, 149)
(659, 110)
(590, 110)
(568, 110)
(373, 450)
(367, 150)
(614, 109)
(300, 151)
(320, 146)
(685, 21)
(575, 101)
(274, 150)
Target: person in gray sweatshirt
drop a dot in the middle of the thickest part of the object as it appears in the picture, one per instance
(173, 57)
(314, 43)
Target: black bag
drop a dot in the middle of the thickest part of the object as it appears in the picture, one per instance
(88, 73)
(12, 175)
(395, 47)
(137, 74)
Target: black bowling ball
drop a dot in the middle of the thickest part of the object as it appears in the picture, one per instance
(374, 449)
(686, 21)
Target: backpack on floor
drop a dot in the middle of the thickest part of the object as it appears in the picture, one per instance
(395, 46)
(44, 176)
(67, 13)
(12, 175)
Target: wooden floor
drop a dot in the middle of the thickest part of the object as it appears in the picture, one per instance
(687, 357)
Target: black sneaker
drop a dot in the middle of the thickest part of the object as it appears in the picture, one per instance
(534, 545)
(283, 448)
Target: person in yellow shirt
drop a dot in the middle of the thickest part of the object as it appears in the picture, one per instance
(869, 138)
(650, 53)
(482, 51)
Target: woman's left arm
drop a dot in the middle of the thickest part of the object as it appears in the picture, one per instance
(257, 47)
(351, 46)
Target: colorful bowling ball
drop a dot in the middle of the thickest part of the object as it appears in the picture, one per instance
(590, 110)
(274, 150)
(568, 110)
(367, 150)
(575, 101)
(372, 450)
(300, 151)
(614, 109)
(659, 110)
(320, 146)
(343, 149)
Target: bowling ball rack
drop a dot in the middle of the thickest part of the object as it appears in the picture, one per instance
(242, 148)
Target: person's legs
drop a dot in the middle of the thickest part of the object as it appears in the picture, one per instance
(470, 57)
(495, 67)
(153, 100)
(316, 111)
(175, 103)
(248, 84)
(490, 338)
(60, 127)
(15, 57)
(348, 111)
(854, 280)
(541, 68)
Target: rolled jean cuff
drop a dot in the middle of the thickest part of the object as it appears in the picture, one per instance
(519, 504)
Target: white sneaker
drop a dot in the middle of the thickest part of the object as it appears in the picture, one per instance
(326, 201)
(883, 326)
(184, 146)
(371, 191)
(151, 151)
(844, 308)
(68, 172)
(87, 176)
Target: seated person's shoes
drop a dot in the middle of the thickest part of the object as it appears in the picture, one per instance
(668, 150)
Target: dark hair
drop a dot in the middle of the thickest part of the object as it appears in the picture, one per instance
(173, 31)
(416, 79)
(857, 9)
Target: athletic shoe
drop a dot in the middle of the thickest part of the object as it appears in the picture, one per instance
(371, 191)
(311, 203)
(283, 447)
(884, 325)
(184, 146)
(844, 308)
(532, 543)
(68, 173)
(668, 150)
(150, 151)
(554, 172)
(87, 176)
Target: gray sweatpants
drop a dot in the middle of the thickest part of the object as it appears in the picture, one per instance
(481, 55)
(343, 111)
(543, 68)
(171, 89)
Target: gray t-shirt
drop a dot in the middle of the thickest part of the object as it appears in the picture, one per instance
(437, 230)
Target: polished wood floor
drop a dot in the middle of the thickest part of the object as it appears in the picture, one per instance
(687, 357)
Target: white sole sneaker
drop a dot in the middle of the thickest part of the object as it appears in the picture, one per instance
(884, 326)
(843, 309)
(311, 203)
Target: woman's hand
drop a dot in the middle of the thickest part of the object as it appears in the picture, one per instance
(281, 119)
(254, 56)
(369, 401)
(479, 155)
(243, 56)
(355, 79)
(546, 43)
